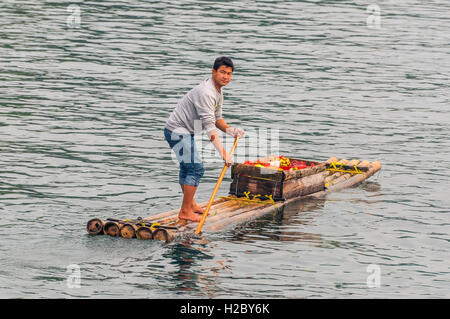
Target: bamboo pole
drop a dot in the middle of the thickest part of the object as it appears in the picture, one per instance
(111, 228)
(219, 181)
(167, 220)
(233, 206)
(225, 215)
(174, 212)
(144, 233)
(343, 176)
(128, 230)
(364, 163)
(222, 206)
(357, 178)
(329, 161)
(335, 175)
(332, 159)
(241, 218)
(95, 226)
(172, 215)
(163, 235)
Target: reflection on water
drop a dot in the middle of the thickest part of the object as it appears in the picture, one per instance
(183, 256)
(370, 186)
(283, 225)
(188, 276)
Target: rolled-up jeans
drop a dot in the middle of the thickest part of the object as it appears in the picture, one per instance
(191, 166)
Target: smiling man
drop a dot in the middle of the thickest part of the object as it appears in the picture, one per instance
(200, 109)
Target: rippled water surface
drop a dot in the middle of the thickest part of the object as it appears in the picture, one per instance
(86, 90)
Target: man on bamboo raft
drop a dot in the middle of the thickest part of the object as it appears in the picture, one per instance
(199, 110)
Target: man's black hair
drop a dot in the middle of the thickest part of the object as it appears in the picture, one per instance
(223, 60)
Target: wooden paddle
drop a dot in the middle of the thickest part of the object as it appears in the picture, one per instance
(219, 181)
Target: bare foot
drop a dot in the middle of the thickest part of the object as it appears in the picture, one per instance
(189, 215)
(197, 209)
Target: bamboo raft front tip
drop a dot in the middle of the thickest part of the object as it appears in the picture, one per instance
(227, 211)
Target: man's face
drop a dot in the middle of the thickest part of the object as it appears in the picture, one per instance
(222, 76)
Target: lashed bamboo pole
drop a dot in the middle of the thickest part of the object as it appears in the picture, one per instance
(144, 233)
(233, 206)
(128, 230)
(241, 218)
(171, 215)
(357, 178)
(95, 226)
(343, 176)
(332, 159)
(222, 206)
(112, 229)
(228, 214)
(163, 235)
(174, 212)
(334, 175)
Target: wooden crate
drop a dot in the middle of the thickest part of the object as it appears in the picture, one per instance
(281, 185)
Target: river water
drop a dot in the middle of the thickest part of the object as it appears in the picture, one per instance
(87, 86)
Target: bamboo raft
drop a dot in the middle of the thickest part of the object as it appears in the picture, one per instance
(228, 211)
